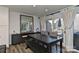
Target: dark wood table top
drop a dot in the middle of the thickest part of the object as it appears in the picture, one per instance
(44, 38)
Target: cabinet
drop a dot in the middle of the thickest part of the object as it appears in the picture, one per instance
(2, 49)
(17, 38)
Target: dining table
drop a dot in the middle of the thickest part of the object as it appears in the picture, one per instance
(47, 40)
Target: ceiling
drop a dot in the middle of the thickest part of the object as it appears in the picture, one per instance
(38, 10)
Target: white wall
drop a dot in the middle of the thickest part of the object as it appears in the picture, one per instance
(15, 22)
(4, 26)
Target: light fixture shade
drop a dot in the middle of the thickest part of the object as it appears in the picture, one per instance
(34, 5)
(46, 10)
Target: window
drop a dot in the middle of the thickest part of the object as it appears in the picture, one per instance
(76, 23)
(56, 23)
(26, 23)
(49, 25)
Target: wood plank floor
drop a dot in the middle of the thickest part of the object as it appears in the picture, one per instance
(19, 48)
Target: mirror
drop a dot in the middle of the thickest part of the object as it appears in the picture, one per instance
(26, 23)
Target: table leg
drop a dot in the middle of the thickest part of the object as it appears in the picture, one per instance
(61, 46)
(56, 48)
(49, 48)
(27, 47)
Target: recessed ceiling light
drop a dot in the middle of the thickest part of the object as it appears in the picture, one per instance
(46, 10)
(34, 5)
